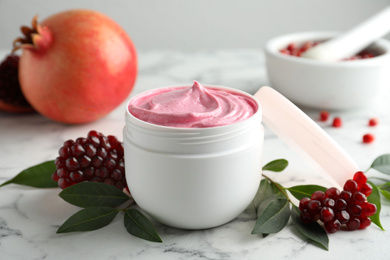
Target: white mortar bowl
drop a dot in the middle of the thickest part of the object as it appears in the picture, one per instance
(327, 85)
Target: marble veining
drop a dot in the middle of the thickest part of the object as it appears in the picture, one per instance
(30, 217)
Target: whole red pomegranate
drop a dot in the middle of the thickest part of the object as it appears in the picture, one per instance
(76, 66)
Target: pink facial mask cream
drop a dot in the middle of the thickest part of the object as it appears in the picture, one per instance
(192, 107)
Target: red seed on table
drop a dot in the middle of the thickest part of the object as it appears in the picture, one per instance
(372, 122)
(337, 122)
(368, 138)
(324, 115)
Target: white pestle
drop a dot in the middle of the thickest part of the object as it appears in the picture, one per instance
(354, 40)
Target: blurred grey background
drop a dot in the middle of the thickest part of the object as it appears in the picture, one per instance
(199, 24)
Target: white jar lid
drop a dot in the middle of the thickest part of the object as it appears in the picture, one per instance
(299, 131)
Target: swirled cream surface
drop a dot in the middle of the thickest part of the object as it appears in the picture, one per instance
(192, 107)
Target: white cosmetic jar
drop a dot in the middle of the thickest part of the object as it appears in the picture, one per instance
(194, 178)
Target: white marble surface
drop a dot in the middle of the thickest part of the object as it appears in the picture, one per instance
(30, 217)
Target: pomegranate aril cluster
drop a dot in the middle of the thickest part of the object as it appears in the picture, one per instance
(336, 209)
(96, 158)
(294, 49)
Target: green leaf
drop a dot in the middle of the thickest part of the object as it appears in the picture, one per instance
(38, 176)
(302, 191)
(276, 165)
(375, 199)
(92, 194)
(313, 231)
(88, 219)
(382, 164)
(273, 215)
(138, 225)
(266, 190)
(385, 193)
(385, 190)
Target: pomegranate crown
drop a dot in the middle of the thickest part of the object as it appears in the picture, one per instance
(36, 37)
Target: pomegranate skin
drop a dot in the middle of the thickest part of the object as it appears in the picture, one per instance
(80, 69)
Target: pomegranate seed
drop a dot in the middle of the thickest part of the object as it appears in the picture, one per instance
(328, 202)
(105, 143)
(353, 224)
(343, 216)
(60, 173)
(81, 140)
(72, 164)
(360, 178)
(77, 176)
(90, 150)
(369, 209)
(306, 217)
(359, 198)
(291, 47)
(365, 222)
(341, 204)
(64, 183)
(113, 154)
(109, 181)
(345, 195)
(366, 189)
(326, 214)
(102, 152)
(332, 226)
(354, 210)
(55, 177)
(121, 165)
(324, 115)
(89, 171)
(350, 185)
(318, 195)
(332, 193)
(303, 203)
(117, 175)
(96, 179)
(59, 162)
(77, 150)
(314, 206)
(373, 122)
(93, 138)
(64, 152)
(84, 161)
(102, 172)
(110, 163)
(337, 122)
(68, 143)
(368, 138)
(113, 140)
(97, 161)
